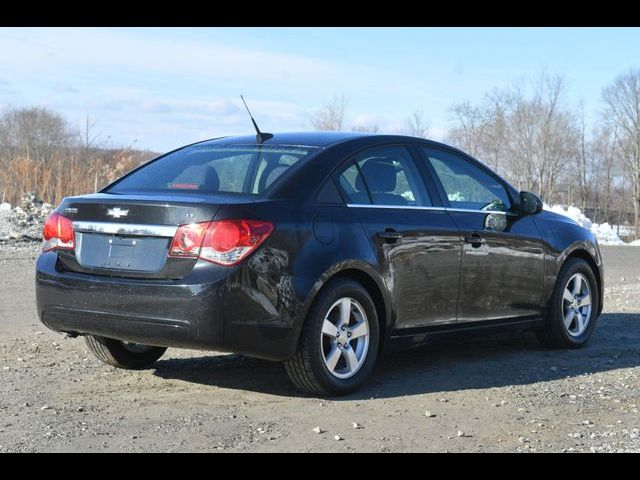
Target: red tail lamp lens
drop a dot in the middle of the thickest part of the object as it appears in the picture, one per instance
(225, 242)
(187, 240)
(57, 233)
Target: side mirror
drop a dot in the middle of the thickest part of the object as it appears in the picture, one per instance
(530, 203)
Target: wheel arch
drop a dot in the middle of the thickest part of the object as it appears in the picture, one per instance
(584, 254)
(366, 276)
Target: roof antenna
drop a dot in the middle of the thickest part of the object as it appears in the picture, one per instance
(260, 137)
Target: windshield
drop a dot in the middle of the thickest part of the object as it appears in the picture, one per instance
(213, 169)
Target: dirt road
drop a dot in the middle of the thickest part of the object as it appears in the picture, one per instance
(498, 394)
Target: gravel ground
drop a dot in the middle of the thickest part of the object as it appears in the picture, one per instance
(504, 393)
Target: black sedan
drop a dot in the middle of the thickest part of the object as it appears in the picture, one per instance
(314, 249)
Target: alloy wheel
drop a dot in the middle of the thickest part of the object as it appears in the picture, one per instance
(576, 305)
(344, 338)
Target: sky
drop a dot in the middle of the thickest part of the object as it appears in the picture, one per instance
(161, 88)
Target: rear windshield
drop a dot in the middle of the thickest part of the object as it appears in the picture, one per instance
(210, 169)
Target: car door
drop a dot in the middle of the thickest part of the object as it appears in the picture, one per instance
(416, 242)
(502, 254)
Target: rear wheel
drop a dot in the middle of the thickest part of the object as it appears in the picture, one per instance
(339, 343)
(574, 307)
(133, 356)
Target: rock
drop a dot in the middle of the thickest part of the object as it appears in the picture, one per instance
(356, 425)
(461, 433)
(337, 438)
(428, 414)
(45, 407)
(318, 430)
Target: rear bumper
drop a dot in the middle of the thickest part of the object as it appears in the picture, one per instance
(213, 308)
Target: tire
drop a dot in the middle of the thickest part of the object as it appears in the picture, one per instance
(118, 354)
(309, 367)
(555, 333)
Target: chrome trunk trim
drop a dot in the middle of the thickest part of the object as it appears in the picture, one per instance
(133, 229)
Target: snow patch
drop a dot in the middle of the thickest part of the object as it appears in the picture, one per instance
(605, 234)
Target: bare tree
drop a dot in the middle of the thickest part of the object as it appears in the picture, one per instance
(331, 116)
(622, 108)
(416, 126)
(528, 135)
(88, 139)
(605, 171)
(481, 129)
(582, 173)
(469, 128)
(34, 132)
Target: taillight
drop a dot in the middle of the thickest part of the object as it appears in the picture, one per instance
(57, 233)
(188, 240)
(225, 242)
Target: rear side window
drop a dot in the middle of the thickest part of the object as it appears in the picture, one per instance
(384, 176)
(467, 185)
(212, 169)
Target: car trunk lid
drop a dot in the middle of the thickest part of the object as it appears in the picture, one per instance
(129, 235)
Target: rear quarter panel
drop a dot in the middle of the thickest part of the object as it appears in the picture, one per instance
(275, 286)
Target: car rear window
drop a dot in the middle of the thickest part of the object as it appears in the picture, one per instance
(211, 169)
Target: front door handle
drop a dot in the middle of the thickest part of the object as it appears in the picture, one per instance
(475, 239)
(390, 235)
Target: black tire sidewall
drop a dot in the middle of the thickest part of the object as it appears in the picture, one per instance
(339, 289)
(572, 267)
(124, 358)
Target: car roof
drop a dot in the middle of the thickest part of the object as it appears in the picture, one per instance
(308, 139)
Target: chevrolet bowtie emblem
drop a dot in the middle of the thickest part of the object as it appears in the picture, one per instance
(117, 212)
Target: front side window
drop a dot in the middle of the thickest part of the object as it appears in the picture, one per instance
(384, 176)
(212, 169)
(467, 185)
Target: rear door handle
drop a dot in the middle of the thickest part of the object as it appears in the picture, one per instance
(476, 239)
(390, 235)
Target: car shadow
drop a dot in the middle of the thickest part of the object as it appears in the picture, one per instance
(499, 360)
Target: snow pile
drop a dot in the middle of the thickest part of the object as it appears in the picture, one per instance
(574, 213)
(605, 234)
(25, 221)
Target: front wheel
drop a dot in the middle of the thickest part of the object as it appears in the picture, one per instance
(339, 342)
(132, 356)
(574, 307)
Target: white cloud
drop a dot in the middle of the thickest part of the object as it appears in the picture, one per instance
(164, 88)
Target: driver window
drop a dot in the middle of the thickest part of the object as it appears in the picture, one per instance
(467, 185)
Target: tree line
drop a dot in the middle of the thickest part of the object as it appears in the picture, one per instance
(41, 153)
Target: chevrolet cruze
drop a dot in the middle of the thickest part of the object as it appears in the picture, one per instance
(313, 249)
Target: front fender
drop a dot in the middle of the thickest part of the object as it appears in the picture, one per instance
(564, 238)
